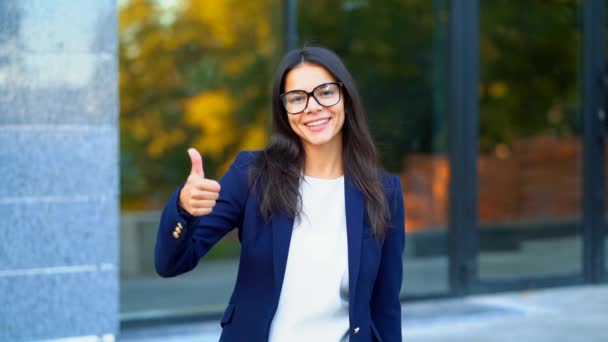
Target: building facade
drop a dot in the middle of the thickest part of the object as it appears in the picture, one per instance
(492, 113)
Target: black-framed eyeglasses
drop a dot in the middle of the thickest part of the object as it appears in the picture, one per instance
(326, 94)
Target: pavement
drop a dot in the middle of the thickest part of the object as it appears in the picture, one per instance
(577, 313)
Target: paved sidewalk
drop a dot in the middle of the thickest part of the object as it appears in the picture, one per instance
(563, 314)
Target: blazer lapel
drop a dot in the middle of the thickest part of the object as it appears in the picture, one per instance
(282, 227)
(355, 209)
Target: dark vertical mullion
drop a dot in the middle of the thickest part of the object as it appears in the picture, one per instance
(291, 24)
(463, 128)
(594, 221)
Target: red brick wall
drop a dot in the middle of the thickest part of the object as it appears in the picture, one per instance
(539, 178)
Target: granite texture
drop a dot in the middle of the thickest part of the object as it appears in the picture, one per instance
(58, 62)
(59, 233)
(59, 167)
(42, 26)
(58, 162)
(62, 305)
(59, 89)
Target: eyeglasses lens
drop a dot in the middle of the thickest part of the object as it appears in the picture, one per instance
(326, 95)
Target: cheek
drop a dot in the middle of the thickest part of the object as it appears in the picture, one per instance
(341, 118)
(292, 122)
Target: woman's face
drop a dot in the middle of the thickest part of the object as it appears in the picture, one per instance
(316, 125)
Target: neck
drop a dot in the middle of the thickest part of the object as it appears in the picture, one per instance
(324, 161)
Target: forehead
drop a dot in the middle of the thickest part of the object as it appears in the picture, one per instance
(307, 76)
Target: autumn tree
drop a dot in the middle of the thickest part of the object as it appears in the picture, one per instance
(194, 74)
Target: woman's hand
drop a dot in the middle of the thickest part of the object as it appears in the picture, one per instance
(199, 194)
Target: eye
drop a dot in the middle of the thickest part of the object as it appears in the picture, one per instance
(296, 98)
(327, 92)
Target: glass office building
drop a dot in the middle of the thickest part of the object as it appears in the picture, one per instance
(492, 113)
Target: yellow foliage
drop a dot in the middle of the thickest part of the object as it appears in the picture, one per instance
(135, 12)
(211, 111)
(256, 135)
(255, 138)
(498, 89)
(196, 44)
(217, 15)
(164, 140)
(236, 64)
(234, 22)
(139, 129)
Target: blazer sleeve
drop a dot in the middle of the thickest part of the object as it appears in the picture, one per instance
(385, 302)
(180, 253)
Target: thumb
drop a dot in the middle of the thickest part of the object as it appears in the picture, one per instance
(197, 163)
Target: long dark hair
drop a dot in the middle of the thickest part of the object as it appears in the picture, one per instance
(276, 174)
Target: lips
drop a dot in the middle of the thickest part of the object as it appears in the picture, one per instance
(318, 125)
(318, 122)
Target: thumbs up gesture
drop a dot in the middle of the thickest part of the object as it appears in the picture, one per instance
(199, 194)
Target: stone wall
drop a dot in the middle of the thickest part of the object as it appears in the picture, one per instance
(59, 167)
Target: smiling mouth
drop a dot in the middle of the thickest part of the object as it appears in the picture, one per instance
(317, 122)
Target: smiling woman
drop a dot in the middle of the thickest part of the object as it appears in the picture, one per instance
(317, 186)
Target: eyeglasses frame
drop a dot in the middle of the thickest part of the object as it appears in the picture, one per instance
(312, 93)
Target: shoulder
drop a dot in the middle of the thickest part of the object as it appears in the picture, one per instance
(390, 182)
(244, 159)
(236, 177)
(239, 169)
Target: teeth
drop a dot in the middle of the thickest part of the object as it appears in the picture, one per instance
(317, 123)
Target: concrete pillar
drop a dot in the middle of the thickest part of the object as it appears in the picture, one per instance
(59, 169)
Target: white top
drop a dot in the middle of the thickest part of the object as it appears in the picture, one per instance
(313, 305)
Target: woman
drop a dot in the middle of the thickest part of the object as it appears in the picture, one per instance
(321, 226)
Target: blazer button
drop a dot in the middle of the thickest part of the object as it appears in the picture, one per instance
(356, 330)
(178, 229)
(175, 234)
(179, 224)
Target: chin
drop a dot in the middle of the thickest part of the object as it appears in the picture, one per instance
(320, 141)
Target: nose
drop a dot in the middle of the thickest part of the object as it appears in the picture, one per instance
(313, 105)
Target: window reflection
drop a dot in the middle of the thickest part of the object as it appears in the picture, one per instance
(530, 162)
(192, 73)
(400, 65)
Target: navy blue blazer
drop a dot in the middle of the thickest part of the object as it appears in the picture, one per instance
(374, 267)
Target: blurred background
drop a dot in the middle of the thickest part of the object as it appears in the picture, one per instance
(199, 73)
(492, 113)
